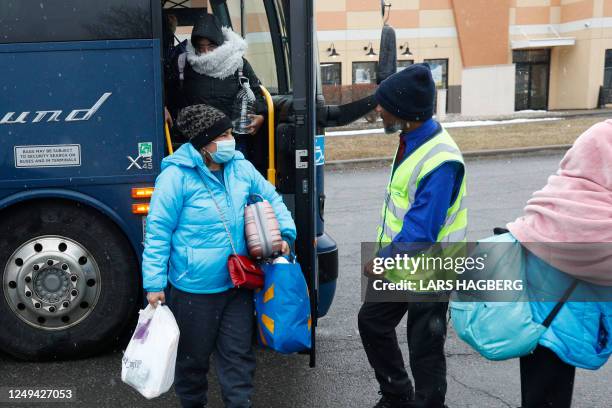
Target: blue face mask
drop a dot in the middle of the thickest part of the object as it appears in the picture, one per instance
(225, 151)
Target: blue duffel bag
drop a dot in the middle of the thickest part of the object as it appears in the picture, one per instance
(283, 309)
(501, 330)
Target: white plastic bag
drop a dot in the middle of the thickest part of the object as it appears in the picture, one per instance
(149, 360)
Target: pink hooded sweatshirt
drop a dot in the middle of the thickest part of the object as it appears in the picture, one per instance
(569, 222)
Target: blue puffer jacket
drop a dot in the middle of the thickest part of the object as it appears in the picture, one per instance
(185, 239)
(581, 334)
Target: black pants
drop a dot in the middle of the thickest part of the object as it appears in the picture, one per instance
(219, 323)
(546, 381)
(426, 335)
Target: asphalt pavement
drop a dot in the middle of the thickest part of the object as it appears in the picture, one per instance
(497, 191)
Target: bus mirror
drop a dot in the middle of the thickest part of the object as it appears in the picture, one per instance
(387, 63)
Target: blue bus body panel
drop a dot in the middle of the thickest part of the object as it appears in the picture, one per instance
(102, 198)
(83, 117)
(74, 76)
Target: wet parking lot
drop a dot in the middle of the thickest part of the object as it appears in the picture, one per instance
(497, 191)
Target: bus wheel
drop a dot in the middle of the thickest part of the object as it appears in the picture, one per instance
(69, 284)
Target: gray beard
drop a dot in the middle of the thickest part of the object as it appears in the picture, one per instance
(393, 128)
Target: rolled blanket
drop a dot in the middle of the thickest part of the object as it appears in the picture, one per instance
(568, 223)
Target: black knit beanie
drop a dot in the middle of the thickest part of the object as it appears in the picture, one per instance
(408, 94)
(202, 124)
(209, 27)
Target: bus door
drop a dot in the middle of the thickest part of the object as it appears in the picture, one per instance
(302, 37)
(291, 79)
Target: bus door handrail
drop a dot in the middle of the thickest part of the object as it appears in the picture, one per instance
(168, 138)
(271, 146)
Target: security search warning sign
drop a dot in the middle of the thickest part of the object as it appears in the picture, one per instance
(48, 156)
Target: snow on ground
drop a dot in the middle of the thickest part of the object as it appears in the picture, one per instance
(448, 125)
(478, 123)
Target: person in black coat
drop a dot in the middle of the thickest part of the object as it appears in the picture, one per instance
(171, 51)
(211, 72)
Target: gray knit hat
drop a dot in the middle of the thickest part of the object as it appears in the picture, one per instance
(202, 124)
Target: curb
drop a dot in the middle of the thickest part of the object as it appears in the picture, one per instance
(336, 164)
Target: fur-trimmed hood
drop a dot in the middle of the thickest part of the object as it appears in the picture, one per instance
(224, 61)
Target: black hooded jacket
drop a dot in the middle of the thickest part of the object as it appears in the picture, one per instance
(220, 93)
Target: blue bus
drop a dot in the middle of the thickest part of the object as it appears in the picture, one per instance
(82, 125)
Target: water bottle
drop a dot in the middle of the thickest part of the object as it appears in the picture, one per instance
(244, 107)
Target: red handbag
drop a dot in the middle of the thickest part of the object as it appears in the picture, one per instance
(244, 272)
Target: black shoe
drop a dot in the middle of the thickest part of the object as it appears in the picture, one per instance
(392, 401)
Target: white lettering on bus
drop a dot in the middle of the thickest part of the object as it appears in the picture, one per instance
(55, 114)
(74, 116)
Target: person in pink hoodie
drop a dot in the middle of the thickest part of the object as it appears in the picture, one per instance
(567, 230)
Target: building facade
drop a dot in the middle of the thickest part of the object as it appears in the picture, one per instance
(492, 57)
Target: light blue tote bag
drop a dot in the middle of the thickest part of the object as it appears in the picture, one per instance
(498, 330)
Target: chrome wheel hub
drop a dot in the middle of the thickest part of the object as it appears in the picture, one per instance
(51, 282)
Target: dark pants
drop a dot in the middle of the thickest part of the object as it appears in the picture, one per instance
(426, 335)
(221, 323)
(546, 381)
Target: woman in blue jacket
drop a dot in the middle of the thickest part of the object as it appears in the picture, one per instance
(188, 245)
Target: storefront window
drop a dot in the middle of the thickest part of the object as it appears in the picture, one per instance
(401, 65)
(439, 71)
(608, 70)
(331, 73)
(364, 72)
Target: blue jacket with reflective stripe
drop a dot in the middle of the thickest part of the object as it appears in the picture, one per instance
(436, 192)
(581, 334)
(185, 240)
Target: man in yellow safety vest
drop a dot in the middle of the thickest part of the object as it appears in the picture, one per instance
(424, 204)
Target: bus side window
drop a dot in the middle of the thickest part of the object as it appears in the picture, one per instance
(25, 21)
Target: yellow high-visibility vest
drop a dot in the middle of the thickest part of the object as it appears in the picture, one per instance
(404, 182)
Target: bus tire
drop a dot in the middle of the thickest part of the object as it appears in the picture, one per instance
(69, 284)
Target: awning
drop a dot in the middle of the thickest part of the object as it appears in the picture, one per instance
(529, 43)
